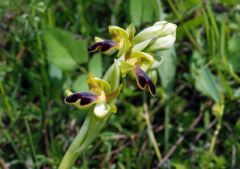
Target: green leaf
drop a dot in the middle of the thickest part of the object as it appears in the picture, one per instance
(80, 84)
(167, 69)
(95, 66)
(55, 72)
(63, 50)
(142, 11)
(135, 11)
(234, 48)
(206, 83)
(179, 165)
(112, 76)
(148, 11)
(78, 50)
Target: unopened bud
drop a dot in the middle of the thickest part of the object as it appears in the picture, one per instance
(159, 29)
(162, 43)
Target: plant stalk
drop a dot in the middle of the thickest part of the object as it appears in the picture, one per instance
(91, 126)
(151, 133)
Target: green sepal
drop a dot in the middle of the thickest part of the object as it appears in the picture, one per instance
(121, 37)
(153, 76)
(113, 95)
(131, 32)
(125, 68)
(112, 76)
(98, 85)
(113, 108)
(143, 56)
(97, 39)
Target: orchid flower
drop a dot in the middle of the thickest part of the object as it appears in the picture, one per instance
(100, 95)
(120, 42)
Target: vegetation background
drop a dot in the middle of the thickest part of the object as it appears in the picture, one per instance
(195, 117)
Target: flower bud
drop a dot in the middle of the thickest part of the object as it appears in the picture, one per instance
(162, 43)
(142, 45)
(159, 29)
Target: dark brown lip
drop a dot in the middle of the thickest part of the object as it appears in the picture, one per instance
(144, 82)
(85, 97)
(101, 46)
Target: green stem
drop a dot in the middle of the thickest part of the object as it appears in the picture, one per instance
(215, 135)
(89, 131)
(91, 126)
(150, 131)
(167, 127)
(30, 140)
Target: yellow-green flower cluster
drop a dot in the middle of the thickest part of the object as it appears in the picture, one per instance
(135, 56)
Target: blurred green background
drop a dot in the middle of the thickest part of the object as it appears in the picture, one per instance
(195, 117)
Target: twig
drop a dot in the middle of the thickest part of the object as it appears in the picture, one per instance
(3, 164)
(45, 129)
(115, 152)
(150, 132)
(143, 147)
(180, 140)
(21, 52)
(203, 132)
(215, 135)
(233, 163)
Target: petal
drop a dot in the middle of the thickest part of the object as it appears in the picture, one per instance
(169, 28)
(81, 99)
(113, 95)
(142, 78)
(102, 46)
(131, 31)
(125, 68)
(143, 56)
(159, 29)
(144, 82)
(98, 85)
(151, 87)
(121, 37)
(147, 33)
(142, 45)
(107, 45)
(162, 43)
(95, 47)
(97, 39)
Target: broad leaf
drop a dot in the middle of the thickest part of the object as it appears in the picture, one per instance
(167, 69)
(95, 66)
(63, 50)
(205, 81)
(80, 84)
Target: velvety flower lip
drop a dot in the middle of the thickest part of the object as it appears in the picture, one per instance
(85, 98)
(102, 46)
(144, 82)
(151, 87)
